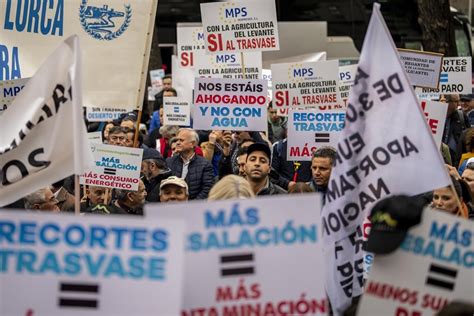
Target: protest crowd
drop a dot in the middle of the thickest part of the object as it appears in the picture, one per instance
(175, 163)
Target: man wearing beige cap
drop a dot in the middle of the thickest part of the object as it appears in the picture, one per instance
(173, 189)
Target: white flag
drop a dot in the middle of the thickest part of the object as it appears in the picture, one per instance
(384, 149)
(43, 136)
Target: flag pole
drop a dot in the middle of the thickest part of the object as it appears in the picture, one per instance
(137, 128)
(77, 195)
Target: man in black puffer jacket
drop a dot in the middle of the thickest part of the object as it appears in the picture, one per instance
(195, 170)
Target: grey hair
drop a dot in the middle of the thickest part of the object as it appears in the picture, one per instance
(39, 196)
(169, 129)
(194, 134)
(121, 194)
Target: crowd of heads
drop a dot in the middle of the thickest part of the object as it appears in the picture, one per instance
(181, 164)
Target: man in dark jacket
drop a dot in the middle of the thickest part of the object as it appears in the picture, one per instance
(321, 167)
(289, 172)
(155, 170)
(456, 123)
(257, 169)
(195, 170)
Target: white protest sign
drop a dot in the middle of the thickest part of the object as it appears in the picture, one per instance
(114, 167)
(156, 77)
(267, 75)
(304, 85)
(435, 113)
(112, 32)
(190, 40)
(95, 137)
(228, 65)
(240, 26)
(67, 265)
(183, 79)
(262, 255)
(422, 68)
(43, 136)
(432, 268)
(384, 132)
(426, 94)
(311, 129)
(176, 111)
(455, 78)
(95, 114)
(8, 91)
(346, 80)
(230, 104)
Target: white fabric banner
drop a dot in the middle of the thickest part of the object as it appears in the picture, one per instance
(115, 35)
(385, 148)
(251, 257)
(430, 269)
(61, 264)
(43, 136)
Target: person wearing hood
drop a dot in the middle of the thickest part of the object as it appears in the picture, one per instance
(154, 170)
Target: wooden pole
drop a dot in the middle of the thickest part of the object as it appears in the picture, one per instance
(77, 195)
(137, 129)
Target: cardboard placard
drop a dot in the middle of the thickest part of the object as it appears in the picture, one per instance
(176, 111)
(310, 129)
(432, 268)
(306, 85)
(251, 255)
(422, 68)
(239, 26)
(67, 265)
(230, 104)
(114, 167)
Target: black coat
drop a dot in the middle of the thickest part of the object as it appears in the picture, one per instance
(153, 186)
(200, 177)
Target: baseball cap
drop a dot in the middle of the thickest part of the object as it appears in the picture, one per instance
(466, 97)
(391, 218)
(259, 147)
(175, 181)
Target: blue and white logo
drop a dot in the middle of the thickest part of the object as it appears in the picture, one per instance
(102, 22)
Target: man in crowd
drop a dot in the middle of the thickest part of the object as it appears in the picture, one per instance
(277, 125)
(173, 189)
(42, 200)
(117, 136)
(94, 195)
(127, 202)
(289, 172)
(321, 167)
(467, 105)
(257, 169)
(194, 169)
(456, 123)
(242, 160)
(155, 170)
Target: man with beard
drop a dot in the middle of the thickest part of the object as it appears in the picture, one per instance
(257, 168)
(321, 167)
(154, 170)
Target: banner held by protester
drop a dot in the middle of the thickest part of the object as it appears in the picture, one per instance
(240, 26)
(384, 139)
(231, 250)
(59, 264)
(114, 167)
(112, 33)
(44, 138)
(230, 104)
